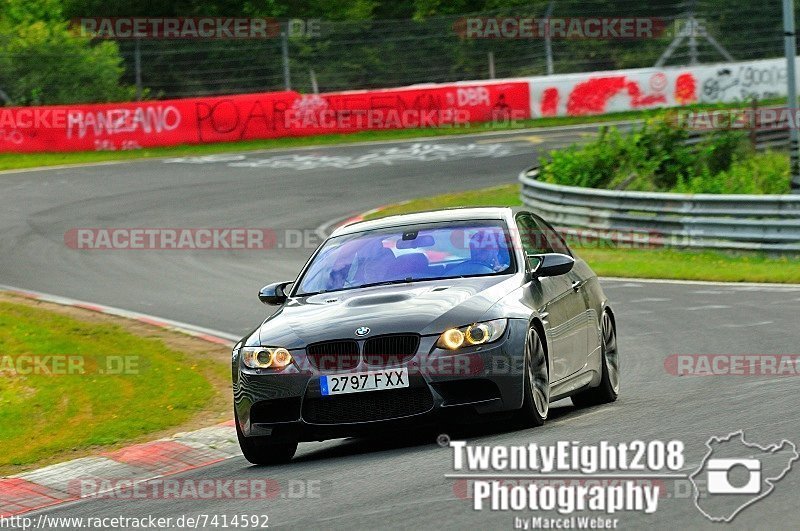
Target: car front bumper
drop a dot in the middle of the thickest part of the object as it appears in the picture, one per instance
(443, 386)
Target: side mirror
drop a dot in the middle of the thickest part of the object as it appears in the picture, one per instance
(549, 265)
(274, 294)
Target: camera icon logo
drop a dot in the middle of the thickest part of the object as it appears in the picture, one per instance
(735, 474)
(718, 479)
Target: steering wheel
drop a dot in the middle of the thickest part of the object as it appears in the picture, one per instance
(471, 267)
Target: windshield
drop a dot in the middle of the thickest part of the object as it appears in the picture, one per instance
(407, 254)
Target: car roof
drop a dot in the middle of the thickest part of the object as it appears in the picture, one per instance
(433, 216)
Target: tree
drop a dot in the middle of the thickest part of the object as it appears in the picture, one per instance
(42, 61)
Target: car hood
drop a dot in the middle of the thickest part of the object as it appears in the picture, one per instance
(425, 307)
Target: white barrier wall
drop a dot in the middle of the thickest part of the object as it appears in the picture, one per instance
(647, 88)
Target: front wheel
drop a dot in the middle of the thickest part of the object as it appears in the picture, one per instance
(536, 401)
(259, 451)
(608, 390)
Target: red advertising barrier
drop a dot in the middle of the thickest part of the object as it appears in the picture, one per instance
(121, 126)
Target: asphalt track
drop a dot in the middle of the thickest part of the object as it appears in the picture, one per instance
(399, 482)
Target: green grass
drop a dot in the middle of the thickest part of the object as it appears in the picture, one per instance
(47, 415)
(497, 195)
(11, 161)
(609, 261)
(691, 265)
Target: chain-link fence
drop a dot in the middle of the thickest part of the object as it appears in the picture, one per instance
(389, 53)
(386, 53)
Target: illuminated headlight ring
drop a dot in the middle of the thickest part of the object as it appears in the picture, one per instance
(474, 334)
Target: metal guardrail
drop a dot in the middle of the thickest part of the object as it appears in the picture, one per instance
(762, 139)
(749, 222)
(767, 132)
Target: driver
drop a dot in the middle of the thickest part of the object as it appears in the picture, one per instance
(487, 248)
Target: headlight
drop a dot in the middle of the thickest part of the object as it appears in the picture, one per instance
(474, 334)
(266, 357)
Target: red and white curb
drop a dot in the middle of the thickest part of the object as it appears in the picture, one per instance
(213, 336)
(64, 482)
(119, 469)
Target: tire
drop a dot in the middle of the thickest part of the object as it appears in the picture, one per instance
(259, 451)
(608, 390)
(536, 388)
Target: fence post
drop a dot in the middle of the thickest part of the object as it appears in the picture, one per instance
(755, 124)
(693, 53)
(287, 77)
(491, 65)
(548, 40)
(137, 67)
(790, 49)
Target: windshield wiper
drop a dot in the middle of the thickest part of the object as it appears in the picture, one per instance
(406, 280)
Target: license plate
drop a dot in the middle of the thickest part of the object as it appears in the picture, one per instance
(364, 381)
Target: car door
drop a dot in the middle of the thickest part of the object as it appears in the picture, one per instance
(578, 327)
(585, 282)
(567, 340)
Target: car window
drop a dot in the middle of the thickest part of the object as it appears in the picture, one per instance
(554, 240)
(533, 240)
(539, 237)
(410, 253)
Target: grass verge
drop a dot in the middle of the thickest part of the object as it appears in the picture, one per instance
(127, 382)
(634, 263)
(11, 161)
